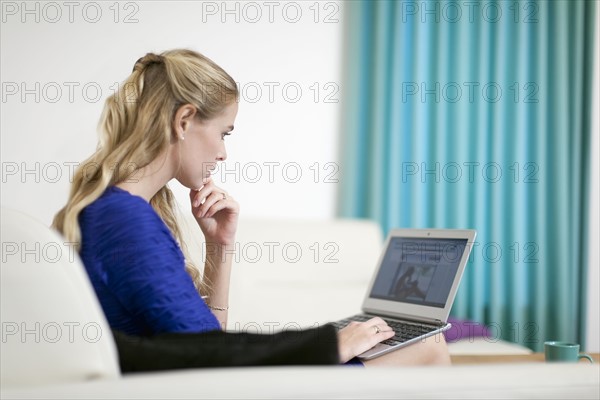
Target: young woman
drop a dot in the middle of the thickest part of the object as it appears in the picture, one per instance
(169, 121)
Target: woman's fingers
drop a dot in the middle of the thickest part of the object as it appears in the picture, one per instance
(378, 325)
(204, 200)
(213, 204)
(358, 337)
(199, 195)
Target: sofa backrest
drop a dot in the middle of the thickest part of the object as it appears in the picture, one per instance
(295, 273)
(53, 328)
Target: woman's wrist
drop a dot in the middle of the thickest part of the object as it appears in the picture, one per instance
(344, 353)
(219, 253)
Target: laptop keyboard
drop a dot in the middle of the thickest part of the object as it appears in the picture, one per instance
(404, 331)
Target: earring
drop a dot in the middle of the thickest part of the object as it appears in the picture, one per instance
(182, 137)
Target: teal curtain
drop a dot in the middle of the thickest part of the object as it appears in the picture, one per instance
(477, 115)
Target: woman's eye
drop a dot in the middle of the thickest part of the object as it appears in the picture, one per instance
(224, 134)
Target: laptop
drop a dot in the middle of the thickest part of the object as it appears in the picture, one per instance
(414, 285)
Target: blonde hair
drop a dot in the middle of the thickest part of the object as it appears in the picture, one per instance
(136, 127)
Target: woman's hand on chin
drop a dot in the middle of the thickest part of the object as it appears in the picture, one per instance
(216, 212)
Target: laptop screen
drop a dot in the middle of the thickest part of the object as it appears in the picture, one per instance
(419, 271)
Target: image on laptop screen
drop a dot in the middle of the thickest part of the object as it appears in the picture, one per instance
(418, 270)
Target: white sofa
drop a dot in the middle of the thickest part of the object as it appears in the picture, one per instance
(56, 342)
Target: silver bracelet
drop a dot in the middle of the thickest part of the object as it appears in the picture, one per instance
(218, 308)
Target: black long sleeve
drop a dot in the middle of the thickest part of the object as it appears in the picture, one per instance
(314, 346)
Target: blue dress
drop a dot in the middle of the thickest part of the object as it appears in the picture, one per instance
(137, 268)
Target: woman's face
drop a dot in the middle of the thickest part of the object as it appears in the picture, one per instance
(203, 144)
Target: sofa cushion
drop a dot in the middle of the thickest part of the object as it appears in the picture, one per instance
(53, 329)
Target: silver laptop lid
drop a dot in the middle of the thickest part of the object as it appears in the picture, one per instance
(418, 273)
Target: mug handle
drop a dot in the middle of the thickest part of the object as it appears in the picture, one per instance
(583, 355)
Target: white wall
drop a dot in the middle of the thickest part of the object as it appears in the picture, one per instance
(593, 313)
(262, 45)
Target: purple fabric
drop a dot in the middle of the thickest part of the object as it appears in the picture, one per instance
(355, 362)
(465, 329)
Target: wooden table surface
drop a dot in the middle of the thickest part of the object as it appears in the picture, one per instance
(487, 359)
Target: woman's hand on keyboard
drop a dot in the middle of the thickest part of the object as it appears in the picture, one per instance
(358, 337)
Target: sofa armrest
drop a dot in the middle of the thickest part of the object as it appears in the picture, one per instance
(506, 381)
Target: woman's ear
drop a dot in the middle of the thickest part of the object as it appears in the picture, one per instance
(183, 120)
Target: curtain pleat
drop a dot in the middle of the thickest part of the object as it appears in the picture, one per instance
(460, 117)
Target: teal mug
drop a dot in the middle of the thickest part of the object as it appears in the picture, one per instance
(564, 352)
